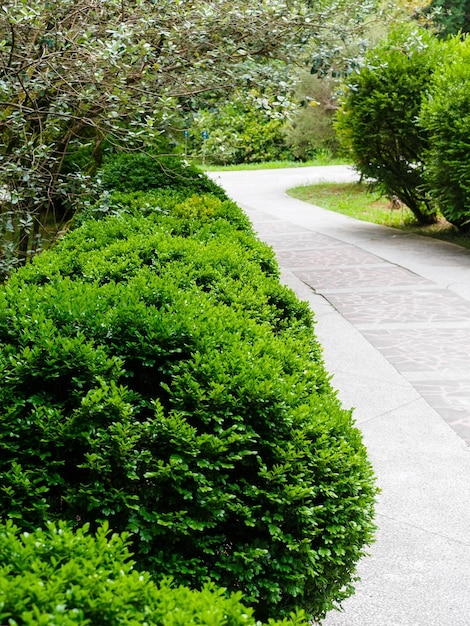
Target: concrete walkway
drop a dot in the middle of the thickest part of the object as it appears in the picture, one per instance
(393, 316)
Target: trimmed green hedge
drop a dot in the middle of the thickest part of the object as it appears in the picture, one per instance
(64, 577)
(156, 375)
(142, 172)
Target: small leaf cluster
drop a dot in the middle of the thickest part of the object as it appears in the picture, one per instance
(59, 576)
(449, 18)
(155, 375)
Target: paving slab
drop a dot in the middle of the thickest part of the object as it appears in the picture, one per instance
(393, 316)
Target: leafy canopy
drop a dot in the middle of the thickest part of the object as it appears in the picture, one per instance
(79, 77)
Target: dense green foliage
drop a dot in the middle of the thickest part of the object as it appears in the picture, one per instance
(64, 577)
(446, 118)
(405, 119)
(157, 376)
(247, 129)
(80, 78)
(142, 172)
(310, 130)
(378, 120)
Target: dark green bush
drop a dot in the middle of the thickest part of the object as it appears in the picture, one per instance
(143, 172)
(446, 117)
(378, 118)
(64, 577)
(450, 17)
(170, 385)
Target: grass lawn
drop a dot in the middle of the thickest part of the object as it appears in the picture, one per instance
(272, 165)
(356, 200)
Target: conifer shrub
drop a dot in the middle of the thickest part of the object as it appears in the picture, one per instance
(378, 119)
(59, 576)
(445, 115)
(168, 385)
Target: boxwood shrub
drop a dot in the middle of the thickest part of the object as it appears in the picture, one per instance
(156, 376)
(143, 172)
(65, 577)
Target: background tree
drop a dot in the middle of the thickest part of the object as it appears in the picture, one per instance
(269, 119)
(247, 128)
(337, 50)
(310, 130)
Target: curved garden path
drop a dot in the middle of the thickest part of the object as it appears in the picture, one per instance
(393, 317)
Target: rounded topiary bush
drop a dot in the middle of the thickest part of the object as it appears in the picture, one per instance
(185, 213)
(142, 172)
(64, 577)
(171, 386)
